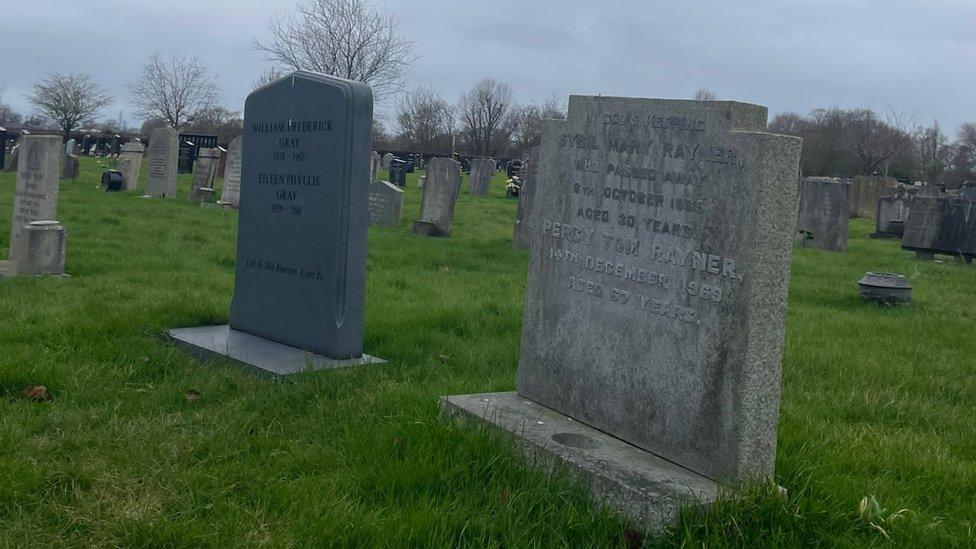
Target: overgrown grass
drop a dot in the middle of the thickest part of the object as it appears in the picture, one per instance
(876, 401)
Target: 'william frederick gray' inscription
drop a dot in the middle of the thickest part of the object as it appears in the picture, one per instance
(301, 248)
(656, 295)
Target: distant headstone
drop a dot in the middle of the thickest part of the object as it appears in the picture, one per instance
(204, 172)
(865, 192)
(11, 164)
(301, 238)
(398, 172)
(439, 198)
(161, 161)
(655, 303)
(36, 191)
(941, 226)
(823, 213)
(526, 197)
(385, 204)
(374, 166)
(387, 158)
(69, 147)
(130, 163)
(482, 169)
(892, 214)
(230, 192)
(70, 167)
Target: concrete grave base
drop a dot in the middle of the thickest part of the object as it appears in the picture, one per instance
(640, 485)
(262, 356)
(424, 228)
(8, 270)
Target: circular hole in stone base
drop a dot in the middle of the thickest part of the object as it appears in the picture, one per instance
(574, 440)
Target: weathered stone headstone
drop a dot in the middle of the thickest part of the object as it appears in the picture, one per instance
(387, 158)
(230, 192)
(865, 192)
(204, 172)
(301, 238)
(44, 244)
(374, 166)
(941, 226)
(655, 303)
(892, 214)
(385, 203)
(161, 163)
(69, 147)
(36, 191)
(11, 164)
(482, 169)
(440, 195)
(398, 172)
(130, 163)
(70, 167)
(525, 200)
(823, 213)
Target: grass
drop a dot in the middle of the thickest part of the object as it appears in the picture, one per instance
(877, 402)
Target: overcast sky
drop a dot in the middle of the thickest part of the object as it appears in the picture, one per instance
(913, 57)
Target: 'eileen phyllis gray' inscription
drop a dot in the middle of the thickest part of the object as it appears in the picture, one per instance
(301, 244)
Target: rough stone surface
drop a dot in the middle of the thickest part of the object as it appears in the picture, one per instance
(941, 226)
(130, 162)
(301, 237)
(204, 172)
(439, 198)
(645, 488)
(866, 190)
(230, 191)
(385, 204)
(892, 214)
(655, 303)
(259, 355)
(44, 249)
(482, 169)
(36, 190)
(161, 163)
(69, 168)
(823, 213)
(526, 196)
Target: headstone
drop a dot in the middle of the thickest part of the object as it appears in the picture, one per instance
(481, 171)
(204, 172)
(892, 215)
(823, 213)
(398, 172)
(230, 193)
(69, 147)
(36, 191)
(130, 163)
(439, 198)
(301, 239)
(11, 163)
(387, 158)
(385, 204)
(421, 181)
(525, 200)
(941, 226)
(374, 166)
(865, 192)
(164, 148)
(44, 245)
(655, 303)
(70, 167)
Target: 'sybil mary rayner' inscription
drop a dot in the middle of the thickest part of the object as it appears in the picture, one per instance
(301, 251)
(656, 294)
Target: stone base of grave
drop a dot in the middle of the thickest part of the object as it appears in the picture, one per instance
(424, 228)
(640, 485)
(8, 270)
(259, 355)
(884, 235)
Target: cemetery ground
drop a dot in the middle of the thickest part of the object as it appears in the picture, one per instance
(141, 444)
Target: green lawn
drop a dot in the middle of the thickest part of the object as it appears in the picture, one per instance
(876, 401)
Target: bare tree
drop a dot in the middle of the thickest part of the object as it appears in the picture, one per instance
(704, 94)
(346, 38)
(424, 118)
(528, 119)
(873, 141)
(966, 144)
(933, 155)
(270, 74)
(482, 112)
(7, 115)
(69, 99)
(178, 90)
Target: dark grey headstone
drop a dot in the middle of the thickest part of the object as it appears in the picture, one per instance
(398, 172)
(530, 170)
(441, 190)
(823, 213)
(204, 172)
(301, 240)
(385, 204)
(892, 215)
(941, 226)
(482, 170)
(70, 167)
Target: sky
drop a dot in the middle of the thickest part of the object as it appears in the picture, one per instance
(912, 58)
